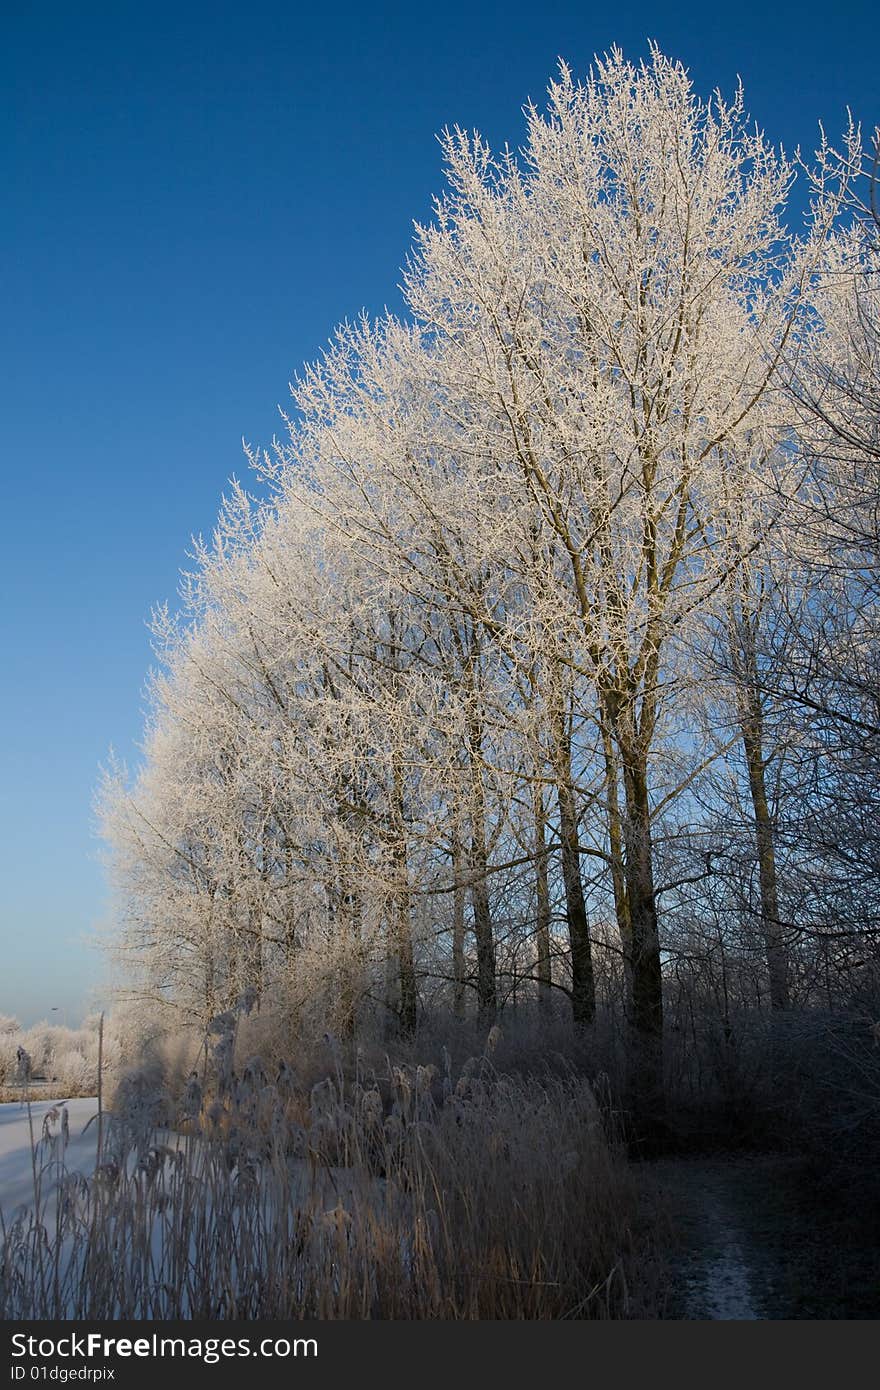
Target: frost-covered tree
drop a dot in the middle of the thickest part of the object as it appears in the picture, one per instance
(481, 675)
(604, 320)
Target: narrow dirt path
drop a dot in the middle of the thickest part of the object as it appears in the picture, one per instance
(732, 1229)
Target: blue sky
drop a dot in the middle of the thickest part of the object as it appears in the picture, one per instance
(194, 196)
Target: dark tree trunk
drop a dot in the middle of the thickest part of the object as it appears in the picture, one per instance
(647, 980)
(406, 965)
(349, 927)
(615, 846)
(542, 895)
(774, 942)
(458, 870)
(583, 988)
(744, 618)
(402, 911)
(484, 936)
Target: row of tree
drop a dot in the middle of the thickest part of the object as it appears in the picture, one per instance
(548, 657)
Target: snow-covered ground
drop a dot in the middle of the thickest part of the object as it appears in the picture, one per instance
(16, 1171)
(163, 1224)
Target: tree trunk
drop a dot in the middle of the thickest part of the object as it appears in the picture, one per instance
(647, 980)
(349, 928)
(406, 963)
(487, 999)
(744, 618)
(774, 943)
(583, 988)
(255, 966)
(210, 972)
(458, 926)
(542, 892)
(487, 1002)
(401, 910)
(615, 846)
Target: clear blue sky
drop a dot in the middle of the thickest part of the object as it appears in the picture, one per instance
(194, 196)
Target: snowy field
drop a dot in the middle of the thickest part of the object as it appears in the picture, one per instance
(16, 1171)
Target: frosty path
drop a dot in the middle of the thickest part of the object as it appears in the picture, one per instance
(16, 1173)
(735, 1236)
(714, 1278)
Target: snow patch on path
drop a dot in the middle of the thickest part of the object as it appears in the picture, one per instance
(714, 1272)
(716, 1284)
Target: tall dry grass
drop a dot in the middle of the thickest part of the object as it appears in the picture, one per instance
(414, 1193)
